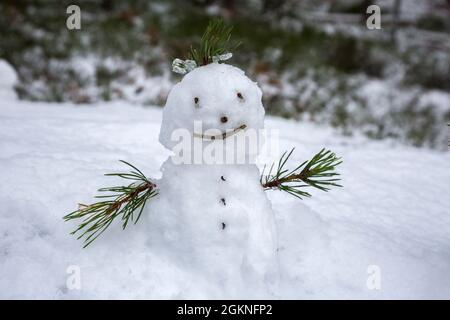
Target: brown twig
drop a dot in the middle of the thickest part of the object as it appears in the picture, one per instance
(277, 182)
(119, 203)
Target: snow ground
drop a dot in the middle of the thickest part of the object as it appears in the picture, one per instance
(393, 212)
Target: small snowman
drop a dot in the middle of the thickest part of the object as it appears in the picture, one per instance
(216, 217)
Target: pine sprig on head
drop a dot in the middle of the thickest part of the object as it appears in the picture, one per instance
(319, 172)
(121, 201)
(216, 41)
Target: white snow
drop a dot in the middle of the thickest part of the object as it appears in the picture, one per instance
(393, 212)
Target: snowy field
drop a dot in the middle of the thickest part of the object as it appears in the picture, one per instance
(393, 212)
(388, 226)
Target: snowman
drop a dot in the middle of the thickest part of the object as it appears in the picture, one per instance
(214, 217)
(208, 215)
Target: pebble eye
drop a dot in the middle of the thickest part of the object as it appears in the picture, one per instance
(240, 96)
(196, 100)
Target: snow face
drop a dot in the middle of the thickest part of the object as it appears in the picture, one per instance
(219, 96)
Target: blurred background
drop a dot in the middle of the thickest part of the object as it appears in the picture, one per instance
(315, 60)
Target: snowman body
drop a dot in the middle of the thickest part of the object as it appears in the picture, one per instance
(214, 218)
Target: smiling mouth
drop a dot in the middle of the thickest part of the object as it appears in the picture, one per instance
(221, 136)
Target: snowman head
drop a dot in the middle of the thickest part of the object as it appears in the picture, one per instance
(220, 97)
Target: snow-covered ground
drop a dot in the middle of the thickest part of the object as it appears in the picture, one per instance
(393, 212)
(389, 225)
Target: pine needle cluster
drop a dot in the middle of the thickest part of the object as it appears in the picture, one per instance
(319, 172)
(215, 42)
(127, 202)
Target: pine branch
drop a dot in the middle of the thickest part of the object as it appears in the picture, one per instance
(216, 41)
(319, 172)
(121, 201)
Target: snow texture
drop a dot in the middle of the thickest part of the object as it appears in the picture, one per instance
(392, 213)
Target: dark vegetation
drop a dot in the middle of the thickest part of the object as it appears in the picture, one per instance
(279, 49)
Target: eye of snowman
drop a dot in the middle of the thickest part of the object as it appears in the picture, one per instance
(240, 96)
(196, 100)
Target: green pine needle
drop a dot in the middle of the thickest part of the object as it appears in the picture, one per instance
(122, 201)
(319, 172)
(215, 41)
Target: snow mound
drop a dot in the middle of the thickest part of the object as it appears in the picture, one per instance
(8, 79)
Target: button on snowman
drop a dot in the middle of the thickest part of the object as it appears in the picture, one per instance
(214, 217)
